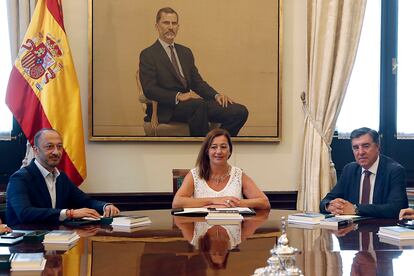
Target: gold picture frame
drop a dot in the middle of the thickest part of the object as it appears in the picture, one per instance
(237, 47)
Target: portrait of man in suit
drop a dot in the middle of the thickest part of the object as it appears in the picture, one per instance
(216, 53)
(168, 75)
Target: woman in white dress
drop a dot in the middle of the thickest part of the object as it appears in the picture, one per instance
(216, 183)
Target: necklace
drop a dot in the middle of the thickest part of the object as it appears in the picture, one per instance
(220, 178)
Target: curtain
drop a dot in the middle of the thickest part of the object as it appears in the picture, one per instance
(19, 13)
(320, 259)
(334, 28)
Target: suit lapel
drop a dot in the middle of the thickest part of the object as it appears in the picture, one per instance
(59, 191)
(40, 182)
(357, 184)
(378, 180)
(166, 60)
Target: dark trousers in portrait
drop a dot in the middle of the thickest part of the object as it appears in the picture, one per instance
(198, 113)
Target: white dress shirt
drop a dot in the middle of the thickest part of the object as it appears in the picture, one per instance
(50, 179)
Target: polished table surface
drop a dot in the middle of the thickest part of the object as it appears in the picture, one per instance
(174, 245)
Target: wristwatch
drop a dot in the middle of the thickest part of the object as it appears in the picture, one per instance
(356, 209)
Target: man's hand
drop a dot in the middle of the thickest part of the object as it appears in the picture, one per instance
(407, 213)
(4, 228)
(340, 206)
(223, 100)
(111, 210)
(85, 212)
(182, 97)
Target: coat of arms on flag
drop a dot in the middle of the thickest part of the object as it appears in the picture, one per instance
(43, 90)
(40, 60)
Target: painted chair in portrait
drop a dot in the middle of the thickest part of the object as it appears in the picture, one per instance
(153, 127)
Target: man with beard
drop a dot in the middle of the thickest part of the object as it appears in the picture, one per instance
(40, 193)
(373, 186)
(169, 76)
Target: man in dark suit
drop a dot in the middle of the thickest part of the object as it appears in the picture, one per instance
(41, 193)
(373, 186)
(169, 76)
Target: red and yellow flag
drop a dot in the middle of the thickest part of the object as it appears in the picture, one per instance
(43, 89)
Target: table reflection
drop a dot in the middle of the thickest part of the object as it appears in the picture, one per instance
(216, 242)
(352, 250)
(189, 246)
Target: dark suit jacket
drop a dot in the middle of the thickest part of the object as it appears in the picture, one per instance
(390, 195)
(160, 82)
(28, 199)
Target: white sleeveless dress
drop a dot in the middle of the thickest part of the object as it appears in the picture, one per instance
(232, 188)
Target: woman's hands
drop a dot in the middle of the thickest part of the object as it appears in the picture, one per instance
(225, 201)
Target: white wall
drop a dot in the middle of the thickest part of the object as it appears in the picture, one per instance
(146, 166)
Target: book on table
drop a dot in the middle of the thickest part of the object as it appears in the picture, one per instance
(61, 236)
(336, 222)
(130, 222)
(396, 232)
(245, 211)
(341, 220)
(306, 217)
(27, 262)
(59, 246)
(127, 229)
(396, 241)
(74, 222)
(303, 225)
(223, 218)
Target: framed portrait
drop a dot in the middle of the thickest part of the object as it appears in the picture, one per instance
(237, 48)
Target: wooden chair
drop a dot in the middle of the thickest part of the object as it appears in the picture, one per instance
(154, 128)
(178, 177)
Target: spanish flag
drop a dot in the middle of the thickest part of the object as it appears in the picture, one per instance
(43, 89)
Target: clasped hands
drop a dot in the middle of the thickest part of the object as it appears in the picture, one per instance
(339, 206)
(225, 201)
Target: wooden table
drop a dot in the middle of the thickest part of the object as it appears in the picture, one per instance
(179, 246)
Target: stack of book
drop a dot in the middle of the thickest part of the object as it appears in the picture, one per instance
(27, 262)
(306, 218)
(129, 223)
(222, 218)
(396, 235)
(339, 221)
(60, 240)
(336, 222)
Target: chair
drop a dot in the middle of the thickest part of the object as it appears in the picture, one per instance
(178, 177)
(154, 128)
